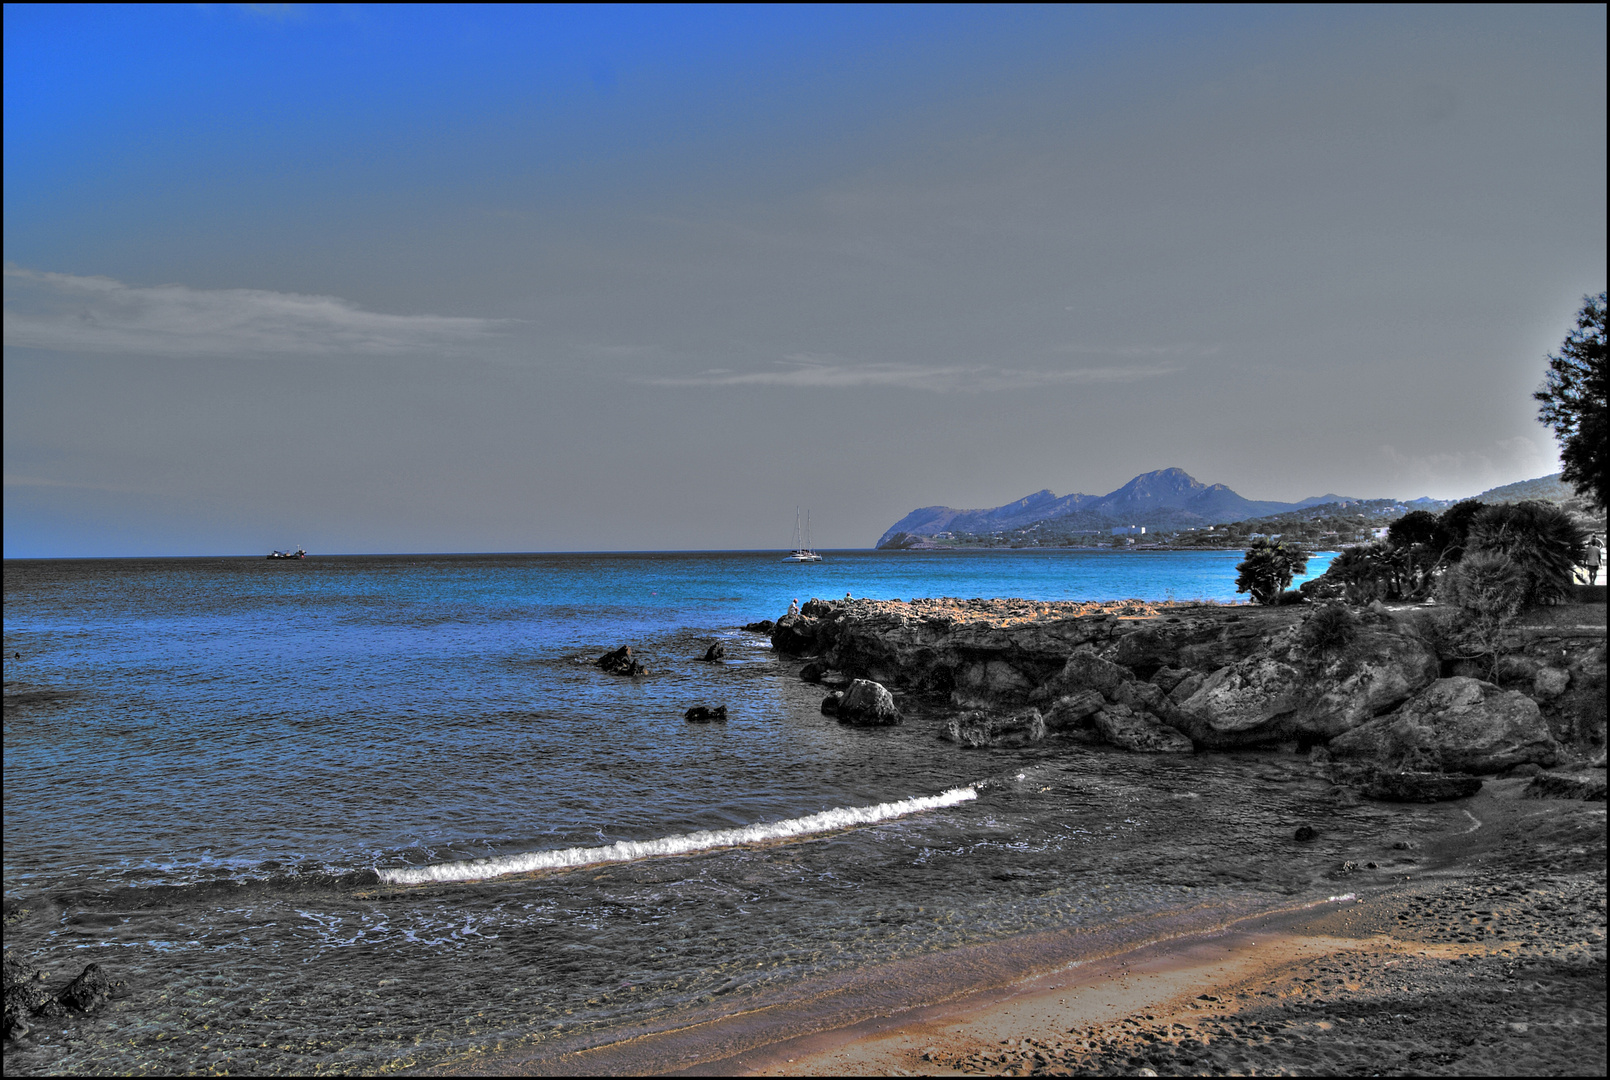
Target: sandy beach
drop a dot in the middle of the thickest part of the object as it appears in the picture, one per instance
(1493, 961)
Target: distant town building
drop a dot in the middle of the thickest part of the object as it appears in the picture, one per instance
(1380, 534)
(1129, 530)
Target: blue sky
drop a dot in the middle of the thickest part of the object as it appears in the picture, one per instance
(418, 278)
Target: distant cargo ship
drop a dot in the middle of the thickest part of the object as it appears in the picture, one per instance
(297, 554)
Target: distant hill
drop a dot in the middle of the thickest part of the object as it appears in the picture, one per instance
(1546, 488)
(1167, 498)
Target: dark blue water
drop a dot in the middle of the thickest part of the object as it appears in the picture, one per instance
(228, 780)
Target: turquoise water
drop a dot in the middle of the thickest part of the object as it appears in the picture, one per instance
(236, 782)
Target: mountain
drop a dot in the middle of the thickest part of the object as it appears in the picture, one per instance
(1165, 498)
(1548, 488)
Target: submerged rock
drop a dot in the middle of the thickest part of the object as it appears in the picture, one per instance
(621, 662)
(764, 626)
(868, 704)
(703, 714)
(1140, 731)
(1408, 785)
(716, 653)
(88, 990)
(980, 729)
(830, 704)
(1565, 786)
(1465, 724)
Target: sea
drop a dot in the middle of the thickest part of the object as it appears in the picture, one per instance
(373, 813)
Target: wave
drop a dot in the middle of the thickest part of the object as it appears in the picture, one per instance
(628, 850)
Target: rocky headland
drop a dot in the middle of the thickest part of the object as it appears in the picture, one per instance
(1374, 700)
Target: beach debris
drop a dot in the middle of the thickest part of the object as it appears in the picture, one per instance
(868, 704)
(621, 662)
(703, 714)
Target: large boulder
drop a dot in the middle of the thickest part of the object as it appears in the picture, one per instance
(798, 635)
(1140, 731)
(1084, 670)
(1073, 712)
(867, 704)
(1280, 694)
(983, 682)
(621, 662)
(1412, 785)
(1465, 724)
(1547, 785)
(981, 729)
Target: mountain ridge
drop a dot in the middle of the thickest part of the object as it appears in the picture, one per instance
(1164, 497)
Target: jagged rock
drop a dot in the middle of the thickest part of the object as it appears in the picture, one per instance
(1275, 696)
(1466, 724)
(800, 635)
(764, 626)
(1084, 670)
(830, 704)
(1074, 711)
(868, 704)
(818, 609)
(812, 672)
(26, 997)
(716, 653)
(980, 729)
(1140, 731)
(1141, 696)
(85, 992)
(703, 714)
(1550, 682)
(986, 681)
(1409, 785)
(1305, 832)
(1167, 678)
(621, 662)
(1565, 786)
(1186, 687)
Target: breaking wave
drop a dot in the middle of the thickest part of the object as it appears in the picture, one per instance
(627, 850)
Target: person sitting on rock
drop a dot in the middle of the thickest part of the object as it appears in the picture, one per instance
(793, 607)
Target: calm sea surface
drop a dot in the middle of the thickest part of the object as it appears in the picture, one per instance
(357, 813)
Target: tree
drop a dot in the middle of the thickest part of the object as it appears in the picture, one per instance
(1453, 527)
(1573, 397)
(1268, 568)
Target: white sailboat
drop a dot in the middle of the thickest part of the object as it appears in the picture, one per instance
(802, 551)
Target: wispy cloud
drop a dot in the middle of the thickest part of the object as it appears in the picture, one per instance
(67, 313)
(832, 373)
(1460, 473)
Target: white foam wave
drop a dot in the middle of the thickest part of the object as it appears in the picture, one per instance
(627, 850)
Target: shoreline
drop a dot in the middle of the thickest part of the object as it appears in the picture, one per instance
(1323, 986)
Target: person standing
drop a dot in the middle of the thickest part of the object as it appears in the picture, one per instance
(1594, 558)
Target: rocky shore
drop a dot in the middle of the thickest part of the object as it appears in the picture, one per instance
(1374, 696)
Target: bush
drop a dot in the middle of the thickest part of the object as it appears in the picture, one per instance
(1363, 572)
(1487, 589)
(1329, 629)
(1453, 528)
(1415, 527)
(1268, 568)
(1540, 539)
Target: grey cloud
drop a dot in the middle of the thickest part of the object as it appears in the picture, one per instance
(833, 374)
(67, 313)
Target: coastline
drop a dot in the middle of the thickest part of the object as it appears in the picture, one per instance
(1395, 977)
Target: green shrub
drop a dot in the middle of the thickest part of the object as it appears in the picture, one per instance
(1329, 629)
(1540, 539)
(1486, 589)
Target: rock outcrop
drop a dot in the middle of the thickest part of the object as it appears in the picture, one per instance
(27, 999)
(979, 729)
(716, 653)
(1459, 724)
(621, 662)
(1547, 785)
(867, 704)
(704, 714)
(1138, 730)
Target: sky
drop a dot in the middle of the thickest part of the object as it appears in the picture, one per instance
(429, 279)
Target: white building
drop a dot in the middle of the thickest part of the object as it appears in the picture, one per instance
(1129, 530)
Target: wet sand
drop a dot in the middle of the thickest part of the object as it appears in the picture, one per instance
(1492, 961)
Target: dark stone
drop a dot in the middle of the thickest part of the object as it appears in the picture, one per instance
(1305, 832)
(813, 672)
(621, 662)
(764, 626)
(26, 998)
(830, 704)
(1565, 786)
(1525, 768)
(716, 653)
(703, 714)
(85, 992)
(1167, 678)
(868, 704)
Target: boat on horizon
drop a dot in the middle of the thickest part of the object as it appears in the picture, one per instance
(802, 551)
(299, 553)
